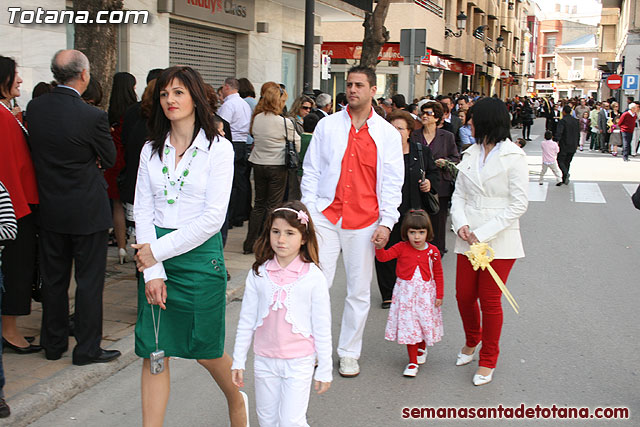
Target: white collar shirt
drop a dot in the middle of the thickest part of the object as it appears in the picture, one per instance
(238, 113)
(200, 204)
(482, 160)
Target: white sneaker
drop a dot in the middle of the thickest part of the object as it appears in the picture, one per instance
(349, 367)
(411, 370)
(422, 356)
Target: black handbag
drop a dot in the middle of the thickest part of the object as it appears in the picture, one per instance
(430, 201)
(291, 157)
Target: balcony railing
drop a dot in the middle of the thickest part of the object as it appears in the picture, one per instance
(432, 6)
(548, 50)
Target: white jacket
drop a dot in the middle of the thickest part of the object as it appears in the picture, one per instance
(308, 311)
(491, 201)
(323, 164)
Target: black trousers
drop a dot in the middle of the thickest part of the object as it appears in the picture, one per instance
(240, 202)
(19, 268)
(604, 146)
(57, 252)
(439, 223)
(386, 271)
(270, 183)
(564, 162)
(526, 130)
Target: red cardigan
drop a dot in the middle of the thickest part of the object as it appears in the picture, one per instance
(627, 122)
(16, 167)
(409, 257)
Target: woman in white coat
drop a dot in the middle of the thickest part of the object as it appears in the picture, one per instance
(489, 199)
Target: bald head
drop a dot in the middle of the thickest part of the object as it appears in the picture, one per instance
(71, 68)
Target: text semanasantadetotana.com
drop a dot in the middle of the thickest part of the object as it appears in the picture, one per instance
(17, 15)
(518, 412)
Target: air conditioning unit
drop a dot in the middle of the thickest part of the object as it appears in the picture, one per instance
(575, 74)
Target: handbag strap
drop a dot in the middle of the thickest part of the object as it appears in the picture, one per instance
(423, 170)
(26, 132)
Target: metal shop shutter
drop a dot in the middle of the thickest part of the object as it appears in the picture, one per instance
(212, 53)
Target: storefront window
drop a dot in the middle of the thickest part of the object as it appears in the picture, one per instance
(290, 74)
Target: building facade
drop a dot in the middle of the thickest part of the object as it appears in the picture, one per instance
(620, 29)
(262, 40)
(455, 59)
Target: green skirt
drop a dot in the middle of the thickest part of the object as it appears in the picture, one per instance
(192, 326)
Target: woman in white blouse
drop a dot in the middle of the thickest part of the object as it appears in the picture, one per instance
(182, 194)
(269, 130)
(489, 199)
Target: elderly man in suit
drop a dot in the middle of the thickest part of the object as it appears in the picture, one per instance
(603, 117)
(568, 137)
(71, 142)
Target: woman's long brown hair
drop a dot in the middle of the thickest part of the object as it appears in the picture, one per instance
(308, 251)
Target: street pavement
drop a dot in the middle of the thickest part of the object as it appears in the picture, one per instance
(574, 343)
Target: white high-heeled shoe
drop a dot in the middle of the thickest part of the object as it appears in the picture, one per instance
(123, 256)
(464, 359)
(246, 404)
(482, 379)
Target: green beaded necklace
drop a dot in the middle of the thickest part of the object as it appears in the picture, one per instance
(181, 178)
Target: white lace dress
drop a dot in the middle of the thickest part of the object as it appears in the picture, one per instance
(413, 316)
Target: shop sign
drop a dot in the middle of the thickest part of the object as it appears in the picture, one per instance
(544, 86)
(504, 74)
(450, 65)
(353, 50)
(233, 13)
(391, 52)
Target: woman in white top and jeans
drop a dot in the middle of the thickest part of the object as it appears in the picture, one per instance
(269, 130)
(182, 194)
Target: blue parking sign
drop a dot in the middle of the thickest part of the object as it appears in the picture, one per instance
(630, 82)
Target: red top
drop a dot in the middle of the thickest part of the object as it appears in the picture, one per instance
(410, 257)
(627, 122)
(356, 200)
(16, 167)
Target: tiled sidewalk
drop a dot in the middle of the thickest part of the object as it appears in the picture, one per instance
(31, 374)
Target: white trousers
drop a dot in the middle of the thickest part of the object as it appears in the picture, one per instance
(282, 390)
(358, 255)
(554, 168)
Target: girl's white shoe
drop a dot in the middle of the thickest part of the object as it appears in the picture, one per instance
(482, 379)
(464, 359)
(422, 356)
(411, 370)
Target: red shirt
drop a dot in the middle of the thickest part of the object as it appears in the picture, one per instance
(627, 122)
(410, 257)
(356, 201)
(16, 167)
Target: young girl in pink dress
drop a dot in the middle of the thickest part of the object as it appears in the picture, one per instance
(415, 316)
(286, 310)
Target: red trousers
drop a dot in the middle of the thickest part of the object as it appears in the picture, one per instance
(472, 286)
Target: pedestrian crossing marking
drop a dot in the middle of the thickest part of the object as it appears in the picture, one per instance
(631, 188)
(537, 192)
(587, 192)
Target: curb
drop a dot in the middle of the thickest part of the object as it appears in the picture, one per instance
(47, 395)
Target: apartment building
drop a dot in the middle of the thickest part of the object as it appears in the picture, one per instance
(577, 72)
(620, 44)
(486, 51)
(551, 35)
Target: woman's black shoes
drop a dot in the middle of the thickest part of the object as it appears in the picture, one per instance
(21, 350)
(4, 409)
(385, 304)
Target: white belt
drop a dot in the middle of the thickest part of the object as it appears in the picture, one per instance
(482, 202)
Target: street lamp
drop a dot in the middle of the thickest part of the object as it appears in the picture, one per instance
(461, 24)
(499, 43)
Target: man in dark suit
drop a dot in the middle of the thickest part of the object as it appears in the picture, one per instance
(568, 137)
(451, 121)
(603, 118)
(70, 142)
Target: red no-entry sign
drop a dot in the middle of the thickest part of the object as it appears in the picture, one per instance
(614, 81)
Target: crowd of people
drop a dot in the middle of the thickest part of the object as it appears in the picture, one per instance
(375, 180)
